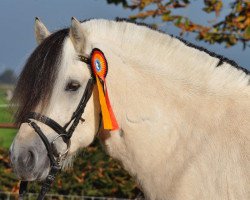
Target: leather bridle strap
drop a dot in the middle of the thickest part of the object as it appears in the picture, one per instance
(45, 141)
(76, 116)
(46, 120)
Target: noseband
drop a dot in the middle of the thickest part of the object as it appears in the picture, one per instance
(64, 132)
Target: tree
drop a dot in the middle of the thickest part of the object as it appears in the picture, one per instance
(8, 77)
(233, 29)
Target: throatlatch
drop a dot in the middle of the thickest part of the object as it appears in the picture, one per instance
(99, 69)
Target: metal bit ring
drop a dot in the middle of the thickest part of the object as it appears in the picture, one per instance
(60, 155)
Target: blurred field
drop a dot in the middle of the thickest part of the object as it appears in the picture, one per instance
(6, 135)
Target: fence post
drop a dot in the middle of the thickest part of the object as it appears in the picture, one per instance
(8, 125)
(8, 196)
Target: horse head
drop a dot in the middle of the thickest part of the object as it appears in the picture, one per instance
(52, 83)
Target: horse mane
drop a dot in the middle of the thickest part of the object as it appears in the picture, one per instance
(222, 59)
(168, 57)
(38, 76)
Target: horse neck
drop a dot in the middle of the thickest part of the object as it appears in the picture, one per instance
(157, 87)
(158, 55)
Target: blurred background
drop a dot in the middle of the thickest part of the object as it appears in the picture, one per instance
(221, 26)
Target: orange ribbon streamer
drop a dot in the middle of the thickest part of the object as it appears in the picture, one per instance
(109, 120)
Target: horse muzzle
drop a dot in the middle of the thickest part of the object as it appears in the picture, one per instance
(29, 164)
(28, 158)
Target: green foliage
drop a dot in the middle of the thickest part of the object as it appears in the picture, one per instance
(6, 137)
(5, 114)
(93, 174)
(234, 28)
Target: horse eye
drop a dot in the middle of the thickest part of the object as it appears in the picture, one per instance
(73, 86)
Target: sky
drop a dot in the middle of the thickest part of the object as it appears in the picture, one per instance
(17, 39)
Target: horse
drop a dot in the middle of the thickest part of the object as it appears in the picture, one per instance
(182, 111)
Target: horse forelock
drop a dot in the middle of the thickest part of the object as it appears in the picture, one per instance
(36, 81)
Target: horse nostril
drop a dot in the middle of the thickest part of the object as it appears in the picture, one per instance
(27, 160)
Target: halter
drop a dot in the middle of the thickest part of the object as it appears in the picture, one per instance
(65, 132)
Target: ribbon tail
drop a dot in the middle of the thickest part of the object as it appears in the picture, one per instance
(112, 115)
(107, 122)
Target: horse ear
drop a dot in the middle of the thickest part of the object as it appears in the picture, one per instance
(41, 32)
(77, 35)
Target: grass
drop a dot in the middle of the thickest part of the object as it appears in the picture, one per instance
(6, 135)
(5, 114)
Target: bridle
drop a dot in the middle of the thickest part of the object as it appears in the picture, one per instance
(64, 132)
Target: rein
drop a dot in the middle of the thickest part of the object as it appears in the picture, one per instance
(64, 132)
